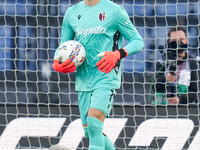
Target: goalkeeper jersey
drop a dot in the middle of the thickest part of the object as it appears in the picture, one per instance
(99, 28)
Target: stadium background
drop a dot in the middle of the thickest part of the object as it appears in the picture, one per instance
(29, 35)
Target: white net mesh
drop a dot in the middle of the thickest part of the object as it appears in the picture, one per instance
(38, 106)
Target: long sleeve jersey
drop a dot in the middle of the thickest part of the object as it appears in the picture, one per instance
(99, 28)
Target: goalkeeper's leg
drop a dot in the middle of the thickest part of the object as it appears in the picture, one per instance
(94, 107)
(95, 127)
(108, 144)
(96, 138)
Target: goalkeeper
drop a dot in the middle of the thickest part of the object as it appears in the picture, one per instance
(99, 26)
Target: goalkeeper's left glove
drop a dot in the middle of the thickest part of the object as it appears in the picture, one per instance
(108, 62)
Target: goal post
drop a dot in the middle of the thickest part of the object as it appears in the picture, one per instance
(39, 106)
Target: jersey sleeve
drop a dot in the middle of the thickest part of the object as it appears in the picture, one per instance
(67, 32)
(129, 32)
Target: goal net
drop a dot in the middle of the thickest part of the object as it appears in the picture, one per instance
(39, 107)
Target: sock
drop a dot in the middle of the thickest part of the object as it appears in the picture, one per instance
(86, 132)
(96, 140)
(108, 144)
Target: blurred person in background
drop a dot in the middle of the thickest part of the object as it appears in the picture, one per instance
(176, 74)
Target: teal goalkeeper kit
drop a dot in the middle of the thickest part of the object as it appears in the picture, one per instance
(99, 29)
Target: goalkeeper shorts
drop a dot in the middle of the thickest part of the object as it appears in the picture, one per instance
(100, 98)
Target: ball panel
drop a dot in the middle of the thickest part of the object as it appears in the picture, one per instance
(72, 50)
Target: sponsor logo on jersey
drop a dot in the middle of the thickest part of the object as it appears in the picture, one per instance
(94, 30)
(102, 16)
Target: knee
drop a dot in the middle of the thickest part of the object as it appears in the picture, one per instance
(95, 113)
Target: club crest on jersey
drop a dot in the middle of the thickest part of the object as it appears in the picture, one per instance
(102, 16)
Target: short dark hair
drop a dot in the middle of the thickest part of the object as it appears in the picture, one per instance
(176, 29)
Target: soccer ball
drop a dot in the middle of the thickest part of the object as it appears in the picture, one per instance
(58, 147)
(72, 50)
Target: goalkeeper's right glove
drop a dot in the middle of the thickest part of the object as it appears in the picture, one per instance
(109, 60)
(65, 67)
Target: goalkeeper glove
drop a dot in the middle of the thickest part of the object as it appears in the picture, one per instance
(107, 63)
(65, 67)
